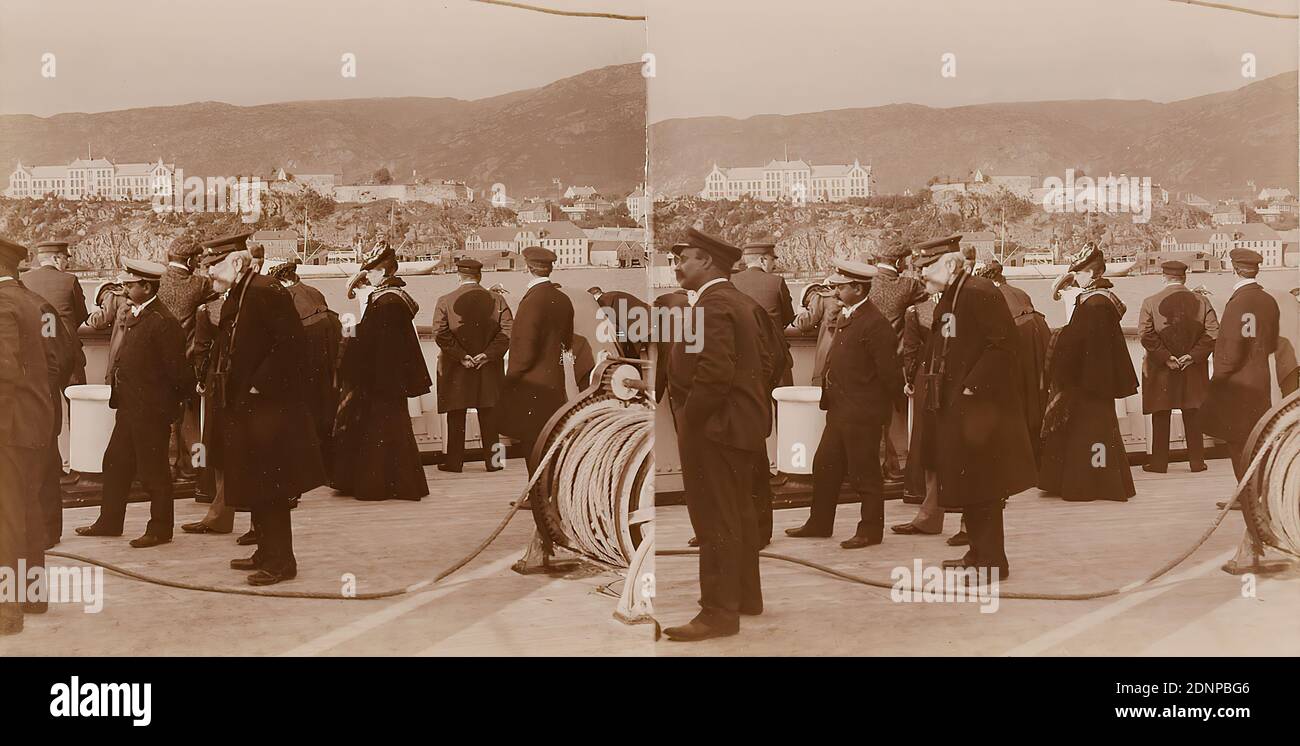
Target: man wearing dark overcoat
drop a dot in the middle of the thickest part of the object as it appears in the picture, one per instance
(28, 365)
(534, 385)
(975, 433)
(265, 444)
(472, 328)
(1241, 385)
(719, 390)
(1177, 328)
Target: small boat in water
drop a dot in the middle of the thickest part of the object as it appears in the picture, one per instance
(1053, 271)
(347, 269)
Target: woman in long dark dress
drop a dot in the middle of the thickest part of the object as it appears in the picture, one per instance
(375, 454)
(1083, 456)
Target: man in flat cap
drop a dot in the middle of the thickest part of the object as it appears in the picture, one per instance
(29, 369)
(263, 442)
(375, 453)
(472, 327)
(892, 293)
(182, 292)
(862, 379)
(150, 380)
(974, 433)
(1240, 389)
(534, 386)
(1177, 328)
(719, 390)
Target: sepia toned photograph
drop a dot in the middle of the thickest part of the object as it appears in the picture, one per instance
(334, 364)
(959, 335)
(1031, 269)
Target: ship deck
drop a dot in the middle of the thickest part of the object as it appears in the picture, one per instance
(483, 609)
(1053, 546)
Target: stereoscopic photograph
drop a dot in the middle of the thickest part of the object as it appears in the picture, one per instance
(942, 333)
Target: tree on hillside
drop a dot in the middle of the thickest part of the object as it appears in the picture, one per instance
(382, 176)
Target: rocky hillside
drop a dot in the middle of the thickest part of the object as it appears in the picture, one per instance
(586, 129)
(1206, 144)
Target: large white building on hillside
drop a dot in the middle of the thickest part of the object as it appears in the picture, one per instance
(798, 180)
(93, 177)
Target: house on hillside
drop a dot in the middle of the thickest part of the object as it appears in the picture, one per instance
(1262, 238)
(1230, 214)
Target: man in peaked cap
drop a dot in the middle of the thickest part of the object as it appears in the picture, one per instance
(28, 372)
(472, 327)
(759, 281)
(974, 435)
(262, 440)
(1177, 328)
(719, 392)
(862, 379)
(621, 308)
(51, 280)
(534, 387)
(150, 380)
(1240, 389)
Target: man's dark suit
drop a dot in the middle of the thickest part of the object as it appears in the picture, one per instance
(978, 442)
(858, 389)
(534, 384)
(27, 412)
(720, 399)
(62, 290)
(150, 380)
(1240, 387)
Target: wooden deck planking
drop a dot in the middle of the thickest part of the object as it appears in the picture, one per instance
(1053, 546)
(484, 609)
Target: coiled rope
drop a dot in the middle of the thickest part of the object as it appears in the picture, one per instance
(615, 427)
(1277, 452)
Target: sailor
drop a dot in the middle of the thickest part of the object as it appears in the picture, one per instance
(534, 386)
(472, 327)
(1177, 328)
(862, 379)
(975, 436)
(182, 292)
(375, 453)
(263, 442)
(1240, 388)
(720, 399)
(28, 369)
(1083, 454)
(150, 380)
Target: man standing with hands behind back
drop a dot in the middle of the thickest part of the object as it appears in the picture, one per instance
(720, 396)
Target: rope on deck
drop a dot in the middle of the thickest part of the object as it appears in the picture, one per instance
(1277, 453)
(390, 593)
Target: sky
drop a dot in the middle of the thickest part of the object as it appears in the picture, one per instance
(123, 54)
(739, 58)
(733, 58)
